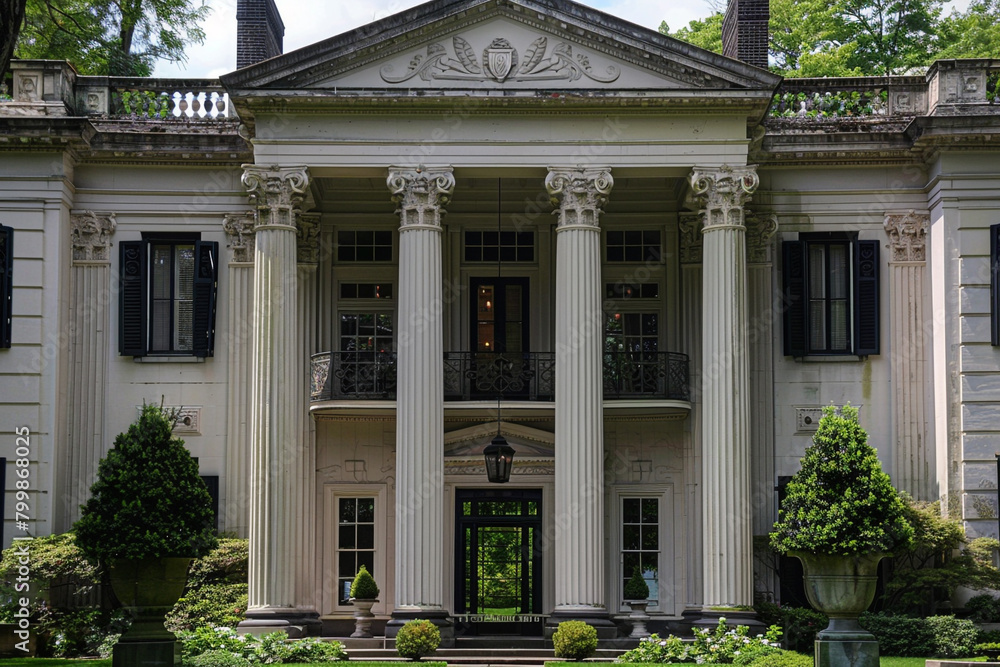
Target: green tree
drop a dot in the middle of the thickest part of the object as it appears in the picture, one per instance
(706, 33)
(891, 36)
(11, 18)
(974, 33)
(115, 37)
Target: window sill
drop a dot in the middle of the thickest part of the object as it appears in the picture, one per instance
(829, 358)
(169, 359)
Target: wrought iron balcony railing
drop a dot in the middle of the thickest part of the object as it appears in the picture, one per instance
(526, 376)
(646, 375)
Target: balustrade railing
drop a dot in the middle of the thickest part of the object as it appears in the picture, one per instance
(166, 99)
(526, 376)
(850, 97)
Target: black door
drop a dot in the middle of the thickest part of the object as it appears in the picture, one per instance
(498, 587)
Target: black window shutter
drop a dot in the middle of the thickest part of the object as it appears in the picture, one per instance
(6, 285)
(995, 284)
(132, 315)
(794, 284)
(866, 302)
(206, 278)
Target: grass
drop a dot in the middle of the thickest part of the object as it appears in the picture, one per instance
(44, 662)
(883, 662)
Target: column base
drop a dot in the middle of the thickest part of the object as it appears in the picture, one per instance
(846, 653)
(600, 619)
(438, 617)
(709, 619)
(297, 623)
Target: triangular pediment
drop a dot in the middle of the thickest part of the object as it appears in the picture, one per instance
(500, 45)
(527, 441)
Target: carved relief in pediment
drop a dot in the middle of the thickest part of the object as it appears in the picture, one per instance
(500, 61)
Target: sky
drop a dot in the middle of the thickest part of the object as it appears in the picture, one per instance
(310, 21)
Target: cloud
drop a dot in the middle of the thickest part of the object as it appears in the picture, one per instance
(308, 22)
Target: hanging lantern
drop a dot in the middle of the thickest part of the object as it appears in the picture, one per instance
(499, 460)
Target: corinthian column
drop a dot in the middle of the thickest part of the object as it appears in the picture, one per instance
(277, 449)
(726, 498)
(90, 285)
(580, 195)
(913, 463)
(420, 195)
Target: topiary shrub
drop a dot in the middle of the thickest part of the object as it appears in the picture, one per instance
(364, 587)
(417, 638)
(148, 500)
(574, 640)
(841, 502)
(636, 588)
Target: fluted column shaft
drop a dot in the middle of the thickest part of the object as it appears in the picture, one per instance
(420, 195)
(726, 498)
(90, 284)
(579, 415)
(238, 342)
(913, 462)
(276, 424)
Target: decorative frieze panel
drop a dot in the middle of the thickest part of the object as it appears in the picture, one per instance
(239, 230)
(690, 228)
(91, 235)
(907, 235)
(500, 61)
(761, 227)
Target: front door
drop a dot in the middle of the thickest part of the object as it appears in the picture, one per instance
(498, 587)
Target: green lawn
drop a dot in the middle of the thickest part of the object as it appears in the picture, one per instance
(43, 662)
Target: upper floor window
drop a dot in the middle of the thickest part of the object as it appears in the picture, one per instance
(832, 295)
(364, 246)
(167, 296)
(492, 246)
(622, 290)
(633, 246)
(6, 284)
(365, 290)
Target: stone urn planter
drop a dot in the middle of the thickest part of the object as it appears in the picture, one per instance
(363, 617)
(148, 588)
(638, 618)
(842, 587)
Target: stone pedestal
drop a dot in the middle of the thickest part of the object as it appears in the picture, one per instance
(146, 654)
(420, 194)
(726, 498)
(857, 652)
(580, 194)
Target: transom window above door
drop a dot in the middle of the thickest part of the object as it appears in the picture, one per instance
(492, 246)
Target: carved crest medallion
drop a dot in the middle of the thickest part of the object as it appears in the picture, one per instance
(499, 59)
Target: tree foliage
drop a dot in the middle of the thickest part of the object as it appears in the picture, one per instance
(862, 37)
(928, 572)
(11, 18)
(112, 37)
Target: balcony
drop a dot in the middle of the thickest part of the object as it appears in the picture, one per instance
(479, 376)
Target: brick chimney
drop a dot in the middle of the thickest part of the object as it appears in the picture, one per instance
(744, 31)
(259, 32)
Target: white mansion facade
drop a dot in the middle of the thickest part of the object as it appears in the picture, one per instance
(647, 265)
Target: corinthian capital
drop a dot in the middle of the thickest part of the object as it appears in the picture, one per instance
(723, 192)
(92, 235)
(308, 238)
(239, 230)
(907, 235)
(276, 191)
(420, 194)
(761, 227)
(580, 193)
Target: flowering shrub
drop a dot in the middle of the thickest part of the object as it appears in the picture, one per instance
(267, 649)
(720, 646)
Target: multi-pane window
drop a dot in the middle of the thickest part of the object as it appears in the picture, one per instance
(622, 290)
(491, 246)
(171, 297)
(365, 332)
(364, 246)
(365, 290)
(631, 360)
(632, 332)
(829, 296)
(633, 246)
(641, 542)
(355, 541)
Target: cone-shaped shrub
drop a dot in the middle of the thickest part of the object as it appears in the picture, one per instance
(148, 500)
(841, 502)
(364, 587)
(636, 588)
